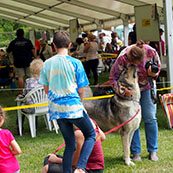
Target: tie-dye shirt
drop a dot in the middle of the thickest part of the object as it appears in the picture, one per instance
(64, 75)
(122, 60)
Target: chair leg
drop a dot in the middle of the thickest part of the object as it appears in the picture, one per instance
(19, 121)
(55, 124)
(31, 119)
(48, 123)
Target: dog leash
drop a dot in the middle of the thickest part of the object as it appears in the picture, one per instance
(115, 128)
(61, 146)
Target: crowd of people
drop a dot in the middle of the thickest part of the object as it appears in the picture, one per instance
(21, 52)
(64, 78)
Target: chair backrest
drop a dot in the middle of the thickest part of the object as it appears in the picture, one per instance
(167, 105)
(38, 95)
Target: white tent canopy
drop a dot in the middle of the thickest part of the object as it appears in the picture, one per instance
(91, 14)
(56, 14)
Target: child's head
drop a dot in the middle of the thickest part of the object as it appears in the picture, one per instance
(61, 39)
(36, 67)
(2, 116)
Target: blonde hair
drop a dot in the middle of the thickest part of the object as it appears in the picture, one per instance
(36, 67)
(2, 113)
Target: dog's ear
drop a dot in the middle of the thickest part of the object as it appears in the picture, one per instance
(125, 67)
(135, 73)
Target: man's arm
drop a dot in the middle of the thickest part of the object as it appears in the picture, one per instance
(34, 53)
(54, 158)
(79, 143)
(81, 93)
(46, 89)
(102, 135)
(9, 48)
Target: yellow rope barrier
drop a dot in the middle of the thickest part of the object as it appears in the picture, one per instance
(168, 88)
(89, 98)
(5, 66)
(46, 104)
(25, 106)
(98, 97)
(110, 55)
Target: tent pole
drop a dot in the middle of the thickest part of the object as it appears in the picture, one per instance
(169, 38)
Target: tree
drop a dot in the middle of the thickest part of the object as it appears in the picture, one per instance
(8, 26)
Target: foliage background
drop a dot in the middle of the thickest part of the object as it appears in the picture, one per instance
(8, 26)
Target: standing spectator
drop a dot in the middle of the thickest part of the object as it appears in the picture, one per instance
(8, 149)
(157, 44)
(80, 49)
(85, 37)
(104, 39)
(116, 42)
(132, 36)
(64, 80)
(6, 72)
(161, 40)
(109, 48)
(139, 54)
(45, 50)
(92, 61)
(53, 48)
(108, 61)
(37, 46)
(22, 50)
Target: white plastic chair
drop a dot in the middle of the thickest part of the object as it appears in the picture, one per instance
(100, 67)
(37, 95)
(55, 124)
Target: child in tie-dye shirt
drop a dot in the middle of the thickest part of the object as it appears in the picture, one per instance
(63, 78)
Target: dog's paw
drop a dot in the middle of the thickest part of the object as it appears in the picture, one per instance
(129, 163)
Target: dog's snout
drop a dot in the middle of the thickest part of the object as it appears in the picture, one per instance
(134, 73)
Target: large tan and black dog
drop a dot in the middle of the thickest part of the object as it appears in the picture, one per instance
(111, 112)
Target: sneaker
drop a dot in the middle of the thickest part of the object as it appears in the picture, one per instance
(153, 156)
(79, 170)
(136, 157)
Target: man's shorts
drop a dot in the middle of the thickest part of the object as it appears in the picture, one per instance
(21, 72)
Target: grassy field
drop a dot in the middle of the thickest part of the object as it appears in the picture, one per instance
(35, 149)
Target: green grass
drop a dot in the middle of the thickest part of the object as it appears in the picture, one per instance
(35, 149)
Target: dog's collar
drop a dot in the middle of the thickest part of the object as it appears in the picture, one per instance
(126, 98)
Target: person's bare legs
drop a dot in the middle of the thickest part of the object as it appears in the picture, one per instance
(45, 169)
(21, 82)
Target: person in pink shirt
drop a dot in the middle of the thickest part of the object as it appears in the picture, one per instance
(8, 161)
